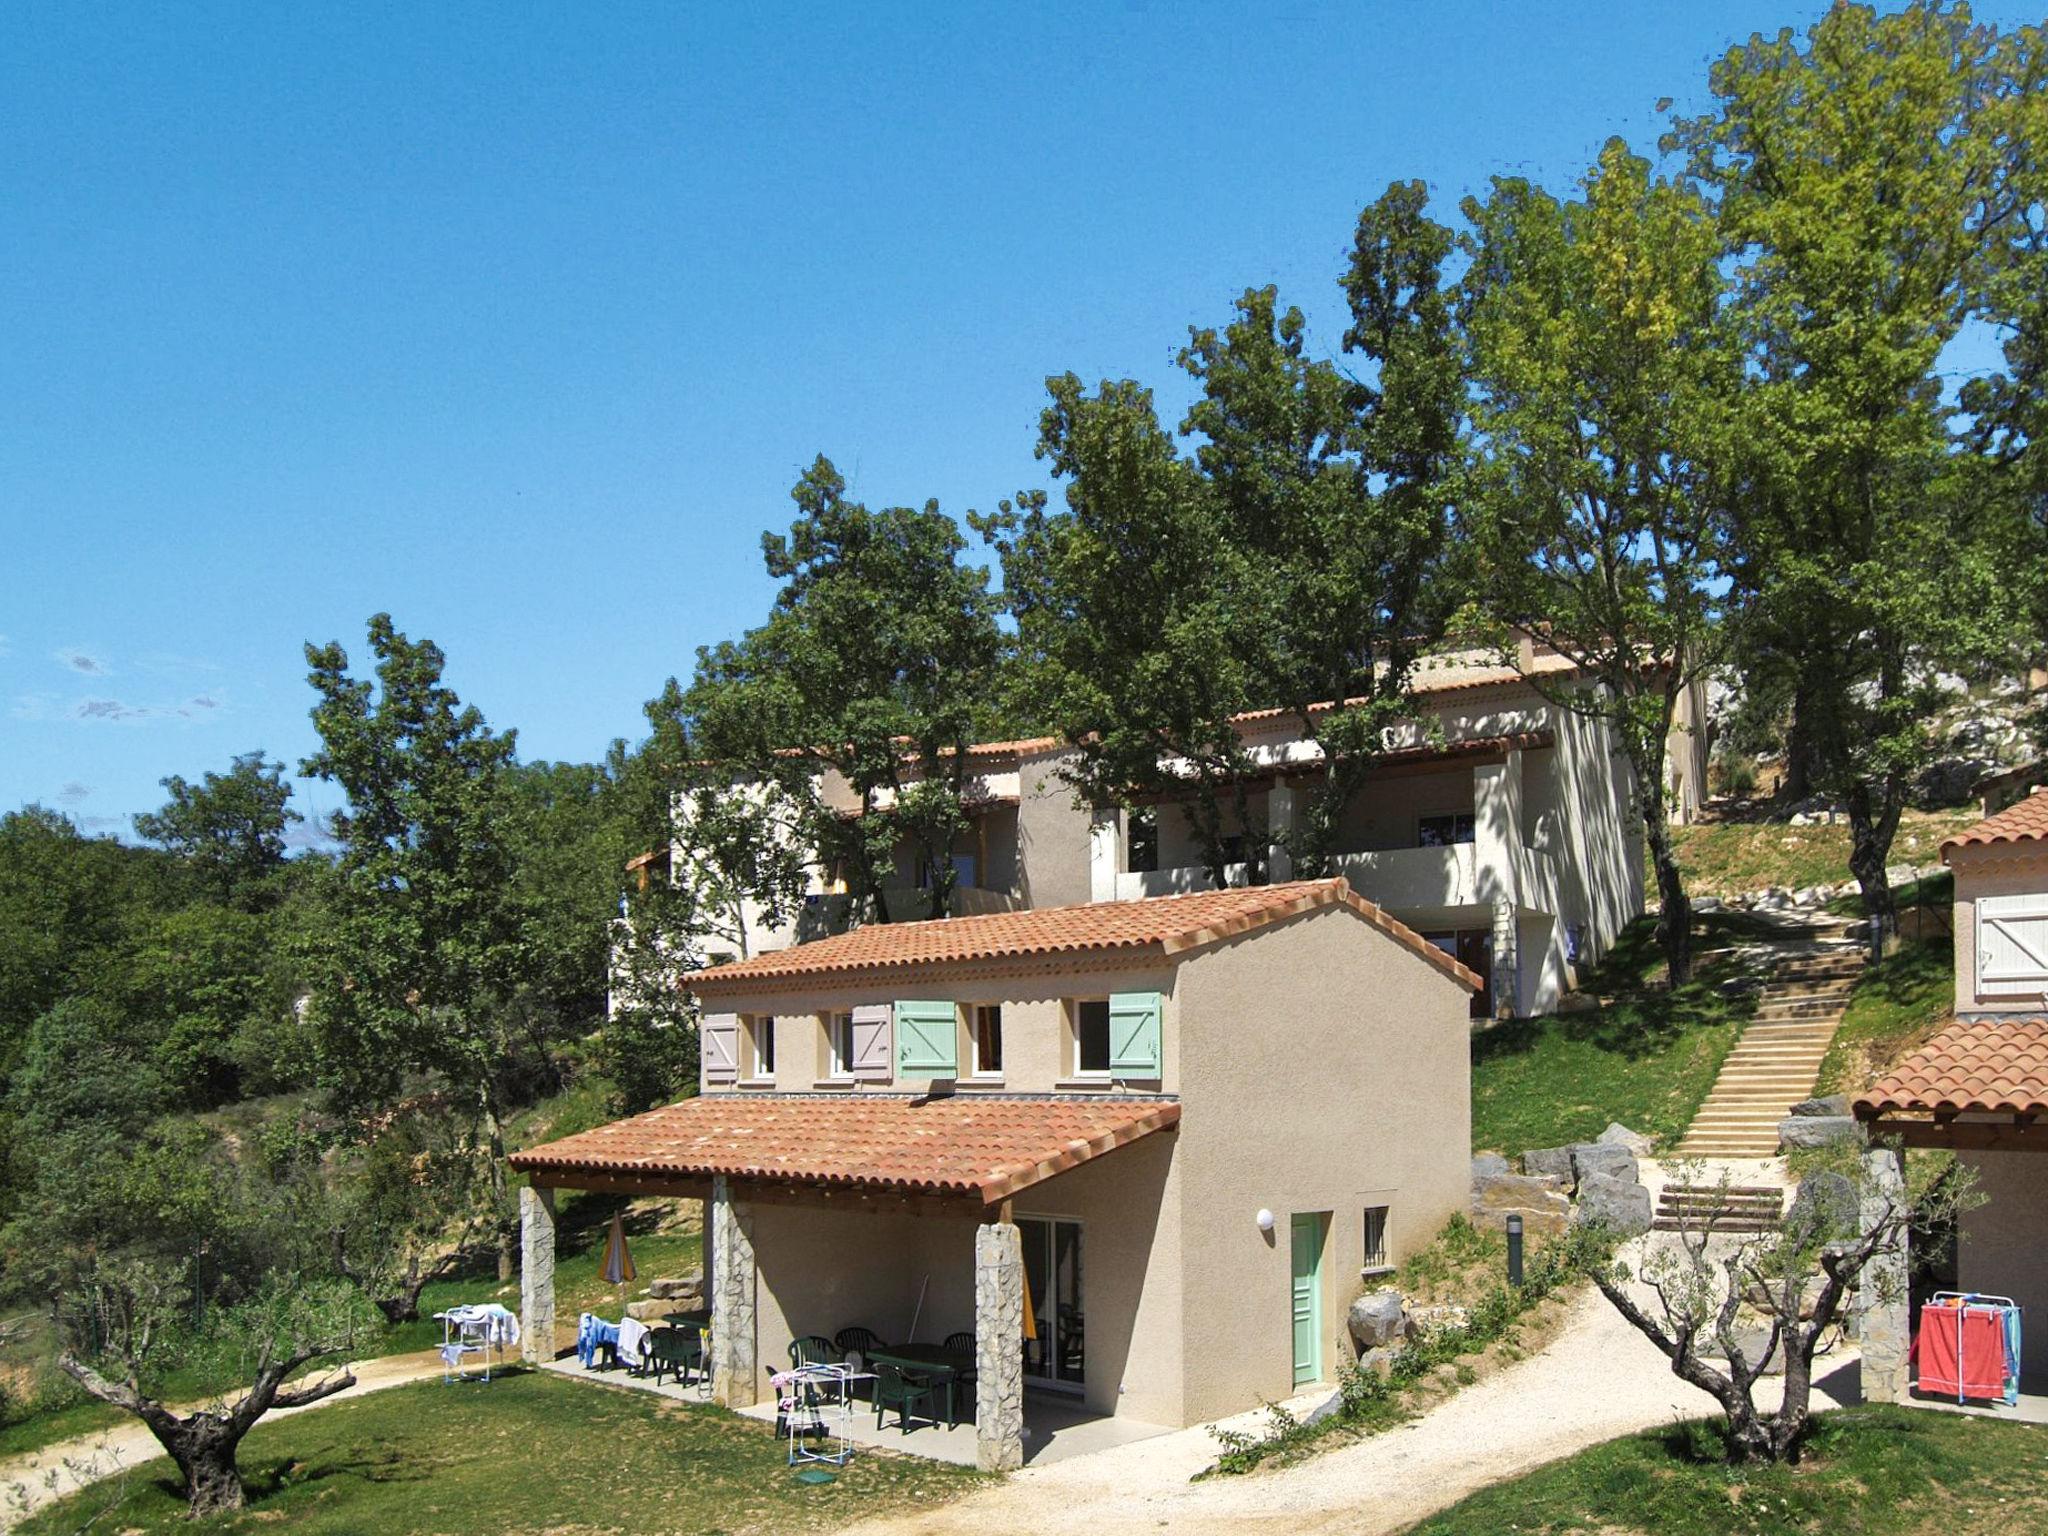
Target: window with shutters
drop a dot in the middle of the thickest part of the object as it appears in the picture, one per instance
(839, 1045)
(760, 1033)
(927, 1038)
(988, 1041)
(2012, 945)
(1091, 1037)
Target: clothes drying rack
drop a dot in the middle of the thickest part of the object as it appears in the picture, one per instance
(1952, 1312)
(469, 1347)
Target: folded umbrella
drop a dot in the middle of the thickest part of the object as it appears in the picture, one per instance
(618, 1263)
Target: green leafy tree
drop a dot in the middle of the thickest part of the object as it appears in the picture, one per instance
(1863, 201)
(877, 665)
(1290, 561)
(1133, 610)
(228, 828)
(1595, 503)
(419, 947)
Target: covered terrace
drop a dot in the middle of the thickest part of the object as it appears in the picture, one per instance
(890, 1213)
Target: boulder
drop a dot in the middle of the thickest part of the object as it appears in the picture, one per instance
(650, 1311)
(1619, 1135)
(1549, 1163)
(1541, 1203)
(1707, 904)
(1487, 1164)
(1621, 1206)
(1835, 1104)
(1825, 1209)
(1377, 1320)
(677, 1287)
(1606, 1158)
(1817, 1130)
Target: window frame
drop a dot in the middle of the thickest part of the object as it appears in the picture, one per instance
(976, 1068)
(1373, 1222)
(1079, 1071)
(838, 1051)
(1453, 815)
(760, 1030)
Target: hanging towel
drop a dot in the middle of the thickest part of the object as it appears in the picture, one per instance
(1962, 1351)
(632, 1340)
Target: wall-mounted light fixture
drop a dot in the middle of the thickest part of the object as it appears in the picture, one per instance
(1264, 1219)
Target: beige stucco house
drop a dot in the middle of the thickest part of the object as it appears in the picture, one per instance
(1498, 822)
(1170, 1132)
(1979, 1087)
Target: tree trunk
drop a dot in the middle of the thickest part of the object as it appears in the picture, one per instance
(1674, 918)
(206, 1455)
(1873, 822)
(501, 1198)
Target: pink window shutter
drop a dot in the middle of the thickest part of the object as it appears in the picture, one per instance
(873, 1049)
(718, 1037)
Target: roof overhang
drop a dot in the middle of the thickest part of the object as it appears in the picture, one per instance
(976, 1150)
(1980, 1084)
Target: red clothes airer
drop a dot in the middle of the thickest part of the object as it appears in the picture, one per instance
(1966, 1346)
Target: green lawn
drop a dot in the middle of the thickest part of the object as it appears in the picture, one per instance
(578, 1288)
(1869, 1472)
(1892, 1006)
(528, 1453)
(1647, 1057)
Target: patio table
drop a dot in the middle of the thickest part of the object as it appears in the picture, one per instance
(942, 1365)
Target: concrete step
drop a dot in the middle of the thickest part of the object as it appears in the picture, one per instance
(1737, 1226)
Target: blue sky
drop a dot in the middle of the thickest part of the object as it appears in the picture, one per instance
(519, 321)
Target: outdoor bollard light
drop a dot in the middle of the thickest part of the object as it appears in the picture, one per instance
(1514, 1250)
(1264, 1219)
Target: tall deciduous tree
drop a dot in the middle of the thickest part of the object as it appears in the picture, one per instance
(1863, 201)
(879, 662)
(1286, 563)
(1595, 499)
(229, 827)
(419, 943)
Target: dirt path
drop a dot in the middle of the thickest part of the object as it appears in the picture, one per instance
(36, 1478)
(1598, 1380)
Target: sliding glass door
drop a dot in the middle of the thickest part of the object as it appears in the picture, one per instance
(1057, 1357)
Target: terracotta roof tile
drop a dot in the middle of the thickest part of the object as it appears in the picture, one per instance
(2024, 821)
(1159, 926)
(1973, 1064)
(985, 1147)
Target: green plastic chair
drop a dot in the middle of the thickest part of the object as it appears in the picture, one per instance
(905, 1391)
(679, 1351)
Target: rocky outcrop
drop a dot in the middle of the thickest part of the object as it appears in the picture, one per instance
(1619, 1135)
(1541, 1203)
(1817, 1131)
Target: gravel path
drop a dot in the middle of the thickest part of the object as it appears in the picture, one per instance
(1597, 1380)
(30, 1481)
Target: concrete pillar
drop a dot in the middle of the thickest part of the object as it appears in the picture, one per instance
(1496, 863)
(735, 1373)
(999, 1347)
(1279, 822)
(1883, 1298)
(1105, 854)
(536, 1275)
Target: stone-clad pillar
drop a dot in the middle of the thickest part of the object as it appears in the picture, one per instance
(536, 1275)
(999, 1347)
(734, 1369)
(1883, 1304)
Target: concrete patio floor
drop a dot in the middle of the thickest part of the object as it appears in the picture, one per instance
(1055, 1428)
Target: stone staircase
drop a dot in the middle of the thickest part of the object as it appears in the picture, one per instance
(1730, 1207)
(1777, 1061)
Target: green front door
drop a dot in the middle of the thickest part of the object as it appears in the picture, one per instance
(1308, 1299)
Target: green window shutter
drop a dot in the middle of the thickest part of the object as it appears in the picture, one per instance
(927, 1039)
(1134, 1033)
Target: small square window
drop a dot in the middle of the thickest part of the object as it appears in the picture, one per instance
(988, 1041)
(1091, 1038)
(839, 1043)
(1376, 1237)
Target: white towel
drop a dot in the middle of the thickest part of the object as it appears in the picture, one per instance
(632, 1339)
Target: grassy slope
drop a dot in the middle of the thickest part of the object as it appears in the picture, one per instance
(1721, 858)
(1893, 1006)
(1646, 1057)
(528, 1453)
(1870, 1472)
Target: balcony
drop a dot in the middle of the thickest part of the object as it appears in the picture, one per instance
(1399, 877)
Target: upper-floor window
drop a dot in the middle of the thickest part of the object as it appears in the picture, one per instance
(839, 1044)
(1141, 841)
(1443, 829)
(965, 869)
(760, 1029)
(988, 1041)
(1091, 1037)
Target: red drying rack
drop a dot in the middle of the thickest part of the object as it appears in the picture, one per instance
(1967, 1346)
